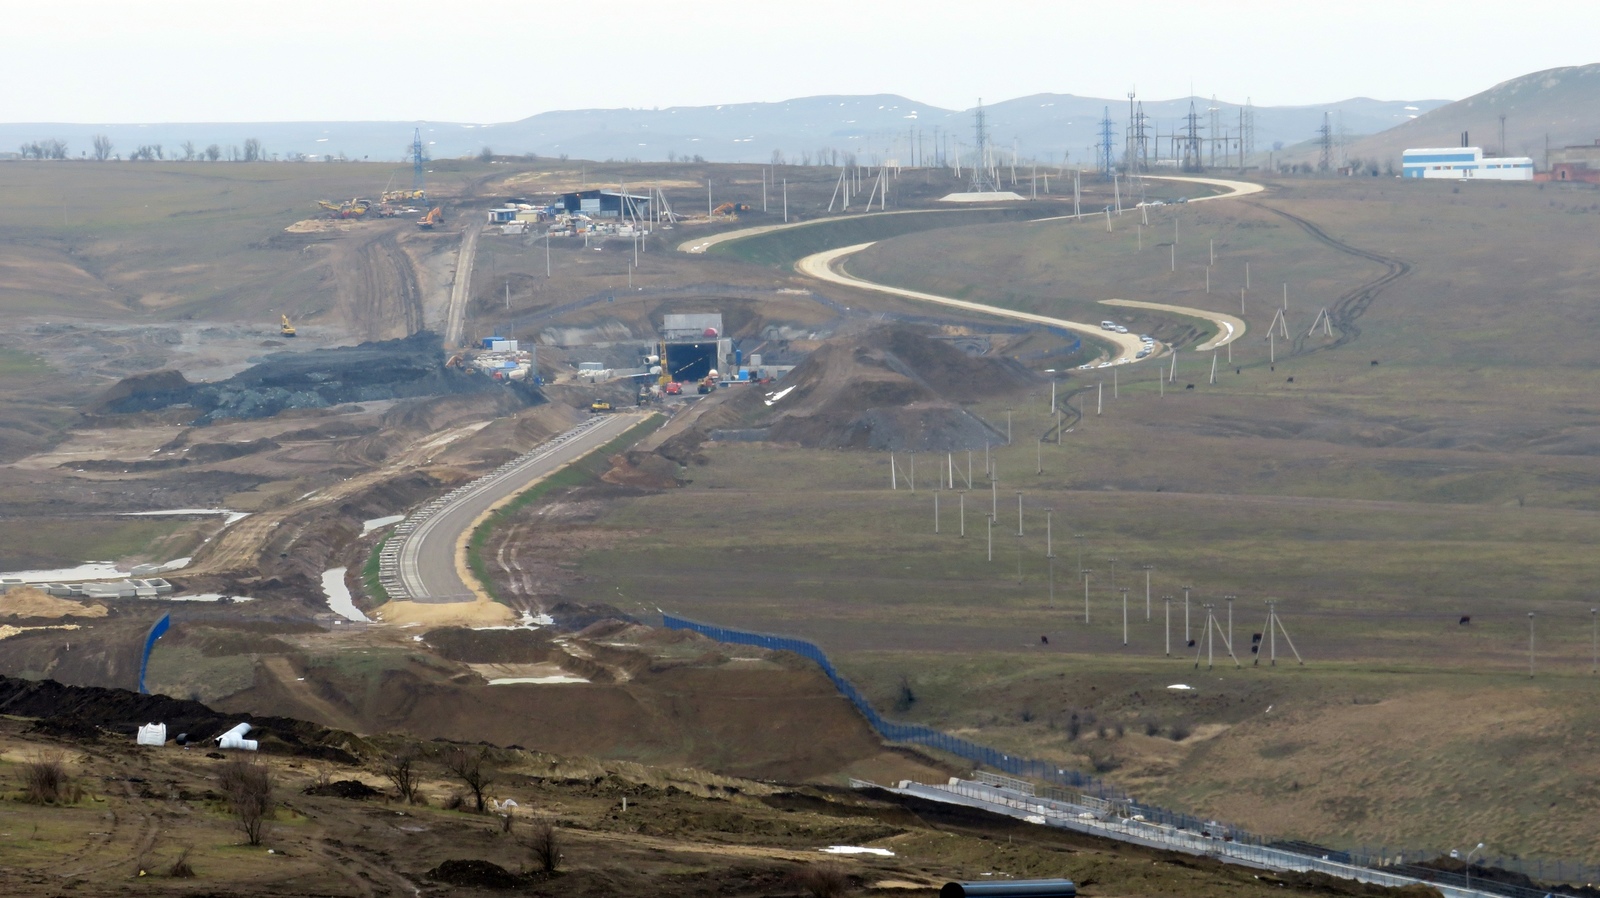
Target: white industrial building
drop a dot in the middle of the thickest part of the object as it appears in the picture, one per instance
(1464, 163)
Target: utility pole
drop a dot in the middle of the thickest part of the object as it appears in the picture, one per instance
(1019, 512)
(1186, 637)
(1167, 600)
(1086, 573)
(1124, 592)
(1147, 568)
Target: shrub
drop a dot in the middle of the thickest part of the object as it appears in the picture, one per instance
(248, 786)
(545, 846)
(46, 780)
(822, 880)
(180, 868)
(1180, 731)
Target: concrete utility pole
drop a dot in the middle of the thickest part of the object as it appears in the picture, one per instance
(1186, 636)
(1019, 512)
(1167, 600)
(1124, 592)
(1086, 573)
(1147, 568)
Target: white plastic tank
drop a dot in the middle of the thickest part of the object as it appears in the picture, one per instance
(152, 734)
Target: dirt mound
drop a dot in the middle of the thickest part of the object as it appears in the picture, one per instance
(76, 709)
(131, 389)
(491, 646)
(27, 602)
(391, 369)
(893, 387)
(475, 874)
(355, 790)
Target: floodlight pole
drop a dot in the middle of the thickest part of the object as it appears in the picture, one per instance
(1086, 573)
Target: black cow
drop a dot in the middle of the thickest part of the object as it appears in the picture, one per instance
(1044, 640)
(1189, 387)
(1465, 619)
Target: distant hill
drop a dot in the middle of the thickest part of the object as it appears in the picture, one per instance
(879, 126)
(1561, 105)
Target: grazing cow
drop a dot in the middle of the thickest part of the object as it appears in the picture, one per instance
(1374, 362)
(1465, 619)
(1291, 380)
(1191, 643)
(1189, 387)
(1044, 640)
(1238, 371)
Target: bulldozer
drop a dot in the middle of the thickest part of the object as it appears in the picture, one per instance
(286, 329)
(434, 216)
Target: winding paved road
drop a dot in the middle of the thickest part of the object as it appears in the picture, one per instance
(827, 266)
(420, 562)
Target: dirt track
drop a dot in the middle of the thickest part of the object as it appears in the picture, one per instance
(1229, 327)
(380, 284)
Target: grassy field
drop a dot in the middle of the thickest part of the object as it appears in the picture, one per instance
(66, 543)
(1379, 504)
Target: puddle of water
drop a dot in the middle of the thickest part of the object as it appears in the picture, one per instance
(339, 596)
(201, 597)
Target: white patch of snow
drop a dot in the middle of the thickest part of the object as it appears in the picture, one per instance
(774, 397)
(380, 523)
(856, 849)
(546, 681)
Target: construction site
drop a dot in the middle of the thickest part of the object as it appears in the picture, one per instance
(486, 459)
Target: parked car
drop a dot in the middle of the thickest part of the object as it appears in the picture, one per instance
(673, 388)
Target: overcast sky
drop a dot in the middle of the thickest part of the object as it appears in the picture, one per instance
(94, 61)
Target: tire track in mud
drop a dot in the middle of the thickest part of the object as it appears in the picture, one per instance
(1353, 304)
(387, 287)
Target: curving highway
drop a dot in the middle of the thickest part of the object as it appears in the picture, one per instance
(827, 266)
(420, 562)
(822, 266)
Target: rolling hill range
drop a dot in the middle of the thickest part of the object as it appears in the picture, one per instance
(875, 126)
(1555, 107)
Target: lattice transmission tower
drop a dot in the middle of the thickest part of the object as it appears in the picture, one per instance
(982, 177)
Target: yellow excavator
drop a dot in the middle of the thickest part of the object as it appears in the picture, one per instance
(286, 329)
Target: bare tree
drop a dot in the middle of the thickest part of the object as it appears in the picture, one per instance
(248, 786)
(472, 769)
(401, 769)
(102, 148)
(213, 153)
(252, 150)
(188, 151)
(544, 843)
(485, 155)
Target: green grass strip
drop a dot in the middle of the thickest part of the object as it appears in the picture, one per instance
(369, 575)
(583, 470)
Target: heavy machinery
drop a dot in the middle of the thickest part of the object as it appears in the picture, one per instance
(709, 384)
(434, 216)
(730, 209)
(351, 208)
(404, 196)
(599, 406)
(286, 329)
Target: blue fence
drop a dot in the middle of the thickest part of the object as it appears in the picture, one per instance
(912, 733)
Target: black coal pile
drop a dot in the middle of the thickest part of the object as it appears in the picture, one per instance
(391, 369)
